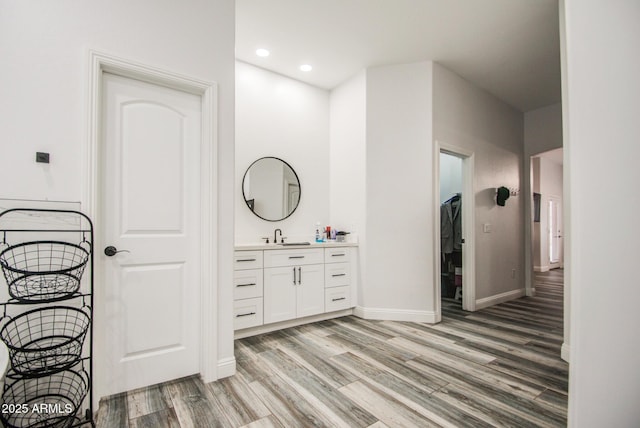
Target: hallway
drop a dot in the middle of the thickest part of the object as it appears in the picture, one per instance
(499, 366)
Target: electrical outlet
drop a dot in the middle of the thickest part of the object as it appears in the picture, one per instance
(513, 273)
(486, 228)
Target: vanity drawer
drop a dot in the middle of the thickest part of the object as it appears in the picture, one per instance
(247, 313)
(337, 255)
(337, 274)
(278, 258)
(247, 260)
(337, 298)
(247, 284)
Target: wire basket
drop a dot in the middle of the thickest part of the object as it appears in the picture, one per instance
(45, 340)
(43, 271)
(50, 401)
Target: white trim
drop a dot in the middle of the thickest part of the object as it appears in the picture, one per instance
(499, 298)
(541, 268)
(386, 314)
(226, 368)
(565, 351)
(267, 328)
(468, 225)
(99, 63)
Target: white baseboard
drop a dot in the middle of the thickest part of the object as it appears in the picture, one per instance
(541, 268)
(499, 298)
(395, 314)
(564, 351)
(226, 367)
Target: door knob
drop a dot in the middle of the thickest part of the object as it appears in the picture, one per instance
(112, 251)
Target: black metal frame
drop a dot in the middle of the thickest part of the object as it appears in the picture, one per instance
(50, 360)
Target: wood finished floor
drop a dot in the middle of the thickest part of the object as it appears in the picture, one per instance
(497, 367)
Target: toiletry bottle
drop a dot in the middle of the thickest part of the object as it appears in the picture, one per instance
(318, 237)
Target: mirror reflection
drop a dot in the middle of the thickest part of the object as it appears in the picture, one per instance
(271, 189)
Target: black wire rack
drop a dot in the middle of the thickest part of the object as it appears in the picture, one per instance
(49, 380)
(43, 271)
(45, 340)
(50, 401)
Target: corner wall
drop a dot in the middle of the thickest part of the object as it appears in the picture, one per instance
(601, 65)
(347, 165)
(282, 117)
(399, 194)
(469, 117)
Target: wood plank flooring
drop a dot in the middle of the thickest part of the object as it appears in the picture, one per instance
(498, 367)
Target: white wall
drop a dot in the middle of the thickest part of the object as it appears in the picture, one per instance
(543, 129)
(542, 132)
(470, 118)
(450, 176)
(44, 75)
(281, 117)
(601, 133)
(399, 195)
(347, 163)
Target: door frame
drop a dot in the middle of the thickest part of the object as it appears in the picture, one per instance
(560, 262)
(468, 225)
(100, 63)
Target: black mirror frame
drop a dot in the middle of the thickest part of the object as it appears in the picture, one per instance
(250, 202)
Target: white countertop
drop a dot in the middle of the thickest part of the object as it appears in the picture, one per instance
(262, 246)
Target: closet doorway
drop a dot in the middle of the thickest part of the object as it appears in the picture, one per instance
(454, 263)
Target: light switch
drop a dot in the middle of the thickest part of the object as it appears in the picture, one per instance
(486, 227)
(42, 157)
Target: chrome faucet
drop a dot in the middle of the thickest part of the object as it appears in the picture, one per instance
(275, 236)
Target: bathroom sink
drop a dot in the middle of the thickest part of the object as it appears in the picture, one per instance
(289, 244)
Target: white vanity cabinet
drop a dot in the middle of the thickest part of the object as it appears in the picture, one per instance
(273, 284)
(337, 274)
(247, 289)
(294, 284)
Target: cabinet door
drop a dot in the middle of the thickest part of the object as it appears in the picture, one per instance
(310, 290)
(280, 285)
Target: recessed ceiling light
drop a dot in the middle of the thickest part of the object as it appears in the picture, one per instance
(306, 67)
(262, 52)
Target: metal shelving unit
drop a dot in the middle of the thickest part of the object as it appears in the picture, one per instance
(47, 318)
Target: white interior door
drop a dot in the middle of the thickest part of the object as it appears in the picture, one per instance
(555, 232)
(150, 205)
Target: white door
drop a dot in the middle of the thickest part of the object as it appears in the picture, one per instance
(150, 181)
(555, 232)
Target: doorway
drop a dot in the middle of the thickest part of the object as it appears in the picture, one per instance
(547, 226)
(555, 232)
(451, 203)
(180, 120)
(453, 194)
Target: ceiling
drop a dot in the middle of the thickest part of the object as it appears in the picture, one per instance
(510, 48)
(555, 155)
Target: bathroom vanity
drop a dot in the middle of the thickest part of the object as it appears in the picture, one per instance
(279, 286)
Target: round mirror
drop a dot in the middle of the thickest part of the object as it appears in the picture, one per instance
(271, 189)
